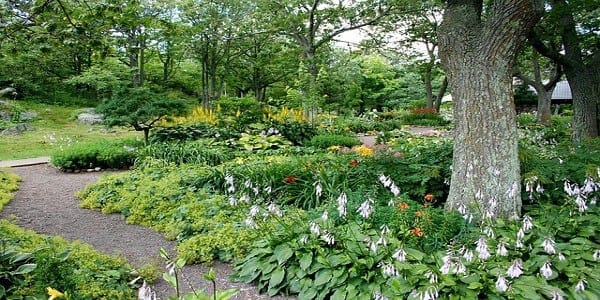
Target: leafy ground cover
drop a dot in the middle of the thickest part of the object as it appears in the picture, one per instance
(35, 266)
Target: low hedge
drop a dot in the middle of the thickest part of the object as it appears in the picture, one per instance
(102, 153)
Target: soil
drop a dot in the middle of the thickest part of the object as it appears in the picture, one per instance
(46, 203)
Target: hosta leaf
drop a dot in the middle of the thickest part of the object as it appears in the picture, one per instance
(276, 277)
(24, 269)
(283, 252)
(306, 260)
(340, 294)
(418, 255)
(323, 276)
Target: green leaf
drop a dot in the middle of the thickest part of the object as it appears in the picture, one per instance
(283, 252)
(307, 294)
(276, 277)
(340, 294)
(418, 255)
(24, 269)
(471, 278)
(322, 277)
(170, 279)
(306, 260)
(475, 285)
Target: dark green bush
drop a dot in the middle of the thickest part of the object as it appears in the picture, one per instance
(423, 117)
(192, 133)
(296, 132)
(325, 141)
(101, 153)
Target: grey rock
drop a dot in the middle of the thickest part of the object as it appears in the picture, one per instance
(17, 129)
(90, 117)
(9, 91)
(28, 115)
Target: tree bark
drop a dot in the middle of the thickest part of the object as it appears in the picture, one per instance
(585, 89)
(478, 57)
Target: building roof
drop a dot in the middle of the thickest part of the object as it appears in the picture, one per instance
(562, 91)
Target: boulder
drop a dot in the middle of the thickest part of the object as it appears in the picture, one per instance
(90, 117)
(17, 129)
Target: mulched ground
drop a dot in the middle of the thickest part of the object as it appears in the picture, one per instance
(45, 203)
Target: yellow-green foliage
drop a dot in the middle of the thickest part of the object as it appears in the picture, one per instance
(168, 200)
(286, 115)
(85, 273)
(9, 182)
(198, 115)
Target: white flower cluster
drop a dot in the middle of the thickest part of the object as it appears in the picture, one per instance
(389, 184)
(581, 193)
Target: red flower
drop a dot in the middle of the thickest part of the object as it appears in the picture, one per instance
(429, 197)
(417, 231)
(403, 205)
(353, 163)
(290, 179)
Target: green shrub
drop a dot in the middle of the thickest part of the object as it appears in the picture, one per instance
(192, 132)
(423, 117)
(9, 182)
(325, 141)
(327, 256)
(101, 153)
(251, 142)
(358, 124)
(296, 132)
(571, 162)
(195, 152)
(74, 268)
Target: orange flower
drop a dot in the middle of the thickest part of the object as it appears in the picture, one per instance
(429, 197)
(353, 163)
(419, 213)
(417, 231)
(290, 179)
(403, 205)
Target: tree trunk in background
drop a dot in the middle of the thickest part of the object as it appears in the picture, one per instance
(440, 95)
(585, 88)
(544, 107)
(478, 57)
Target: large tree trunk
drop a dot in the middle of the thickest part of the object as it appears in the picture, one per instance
(478, 57)
(585, 88)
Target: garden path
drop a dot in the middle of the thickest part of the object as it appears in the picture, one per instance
(45, 203)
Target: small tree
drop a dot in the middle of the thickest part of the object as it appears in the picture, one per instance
(139, 108)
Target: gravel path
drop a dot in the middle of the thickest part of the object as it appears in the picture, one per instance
(45, 203)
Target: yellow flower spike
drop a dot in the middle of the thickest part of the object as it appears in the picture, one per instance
(54, 294)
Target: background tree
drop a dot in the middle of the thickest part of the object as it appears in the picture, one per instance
(314, 24)
(478, 47)
(576, 24)
(542, 79)
(139, 108)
